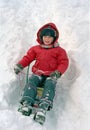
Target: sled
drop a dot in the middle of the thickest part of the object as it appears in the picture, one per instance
(35, 108)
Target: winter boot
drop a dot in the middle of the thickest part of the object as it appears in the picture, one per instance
(25, 109)
(40, 116)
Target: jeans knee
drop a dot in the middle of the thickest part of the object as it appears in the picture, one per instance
(35, 80)
(50, 81)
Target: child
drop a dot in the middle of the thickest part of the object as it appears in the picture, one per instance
(51, 62)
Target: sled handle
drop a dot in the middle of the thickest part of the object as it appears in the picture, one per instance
(27, 74)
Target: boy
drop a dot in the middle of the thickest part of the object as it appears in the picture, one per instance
(51, 62)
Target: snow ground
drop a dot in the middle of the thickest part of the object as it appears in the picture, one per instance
(19, 22)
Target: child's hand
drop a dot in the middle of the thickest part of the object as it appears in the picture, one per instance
(18, 68)
(55, 75)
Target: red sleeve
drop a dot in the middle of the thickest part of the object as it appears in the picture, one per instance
(28, 58)
(63, 61)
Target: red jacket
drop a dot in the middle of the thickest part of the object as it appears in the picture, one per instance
(47, 60)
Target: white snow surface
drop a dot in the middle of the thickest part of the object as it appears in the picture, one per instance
(19, 23)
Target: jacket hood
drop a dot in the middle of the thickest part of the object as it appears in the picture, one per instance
(51, 25)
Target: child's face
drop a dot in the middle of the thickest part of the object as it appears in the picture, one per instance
(47, 40)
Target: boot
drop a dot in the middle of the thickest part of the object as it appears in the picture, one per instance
(40, 116)
(25, 109)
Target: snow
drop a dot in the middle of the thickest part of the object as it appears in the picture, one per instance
(19, 22)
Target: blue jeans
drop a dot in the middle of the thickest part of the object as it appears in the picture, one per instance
(30, 90)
